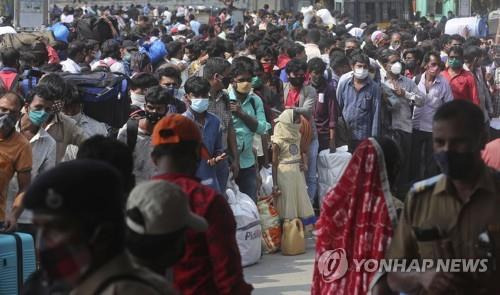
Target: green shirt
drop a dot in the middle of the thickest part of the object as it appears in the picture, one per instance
(254, 107)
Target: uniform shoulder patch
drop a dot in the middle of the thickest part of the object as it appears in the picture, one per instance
(425, 185)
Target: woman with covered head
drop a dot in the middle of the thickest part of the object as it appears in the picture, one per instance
(288, 169)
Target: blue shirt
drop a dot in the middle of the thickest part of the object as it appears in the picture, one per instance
(212, 140)
(361, 109)
(195, 26)
(244, 136)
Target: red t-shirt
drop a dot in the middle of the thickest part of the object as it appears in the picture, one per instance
(293, 98)
(463, 86)
(212, 261)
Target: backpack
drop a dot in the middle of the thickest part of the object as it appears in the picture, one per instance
(132, 132)
(29, 79)
(104, 95)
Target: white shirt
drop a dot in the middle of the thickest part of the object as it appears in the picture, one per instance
(114, 65)
(7, 30)
(70, 66)
(144, 168)
(167, 15)
(312, 51)
(43, 148)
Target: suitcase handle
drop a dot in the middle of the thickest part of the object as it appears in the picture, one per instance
(7, 262)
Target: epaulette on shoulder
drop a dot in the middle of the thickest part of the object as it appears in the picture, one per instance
(425, 185)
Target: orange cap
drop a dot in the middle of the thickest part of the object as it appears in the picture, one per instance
(177, 128)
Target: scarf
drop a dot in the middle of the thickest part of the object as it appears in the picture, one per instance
(359, 216)
(285, 129)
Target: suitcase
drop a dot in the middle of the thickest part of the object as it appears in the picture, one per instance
(17, 261)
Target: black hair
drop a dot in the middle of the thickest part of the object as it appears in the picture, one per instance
(113, 152)
(472, 52)
(464, 111)
(158, 95)
(184, 155)
(197, 86)
(415, 51)
(9, 57)
(173, 48)
(40, 54)
(313, 36)
(55, 84)
(74, 48)
(392, 157)
(241, 65)
(195, 48)
(71, 94)
(168, 71)
(474, 41)
(337, 61)
(42, 91)
(316, 65)
(264, 51)
(427, 57)
(352, 40)
(110, 48)
(251, 39)
(458, 50)
(456, 37)
(143, 81)
(361, 58)
(139, 61)
(216, 47)
(385, 54)
(215, 65)
(296, 65)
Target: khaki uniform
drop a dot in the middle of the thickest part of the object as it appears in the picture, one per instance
(133, 280)
(435, 224)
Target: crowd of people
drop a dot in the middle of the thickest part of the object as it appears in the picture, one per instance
(138, 204)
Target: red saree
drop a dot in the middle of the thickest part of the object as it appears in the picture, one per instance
(357, 215)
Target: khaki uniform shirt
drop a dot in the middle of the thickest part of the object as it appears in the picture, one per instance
(436, 223)
(148, 283)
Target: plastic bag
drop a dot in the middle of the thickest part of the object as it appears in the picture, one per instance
(266, 176)
(330, 169)
(248, 226)
(271, 227)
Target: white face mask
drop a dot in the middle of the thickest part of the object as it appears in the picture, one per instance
(137, 99)
(396, 68)
(360, 73)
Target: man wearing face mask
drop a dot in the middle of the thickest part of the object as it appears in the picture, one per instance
(197, 96)
(302, 98)
(359, 101)
(73, 108)
(248, 119)
(472, 58)
(81, 249)
(400, 94)
(351, 44)
(137, 133)
(395, 41)
(170, 79)
(468, 191)
(139, 84)
(15, 157)
(412, 59)
(462, 82)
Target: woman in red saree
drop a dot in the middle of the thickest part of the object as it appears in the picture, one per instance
(358, 215)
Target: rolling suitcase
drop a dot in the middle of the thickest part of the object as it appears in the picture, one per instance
(17, 261)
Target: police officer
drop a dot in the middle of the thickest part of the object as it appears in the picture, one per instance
(453, 215)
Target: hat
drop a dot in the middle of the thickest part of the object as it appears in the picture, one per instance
(363, 25)
(177, 128)
(163, 209)
(86, 189)
(375, 35)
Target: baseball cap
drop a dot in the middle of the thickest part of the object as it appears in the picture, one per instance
(176, 128)
(158, 207)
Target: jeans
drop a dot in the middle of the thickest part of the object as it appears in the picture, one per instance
(312, 173)
(247, 182)
(222, 171)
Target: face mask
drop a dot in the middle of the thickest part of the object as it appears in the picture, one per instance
(395, 46)
(7, 123)
(297, 81)
(348, 51)
(172, 90)
(38, 117)
(137, 99)
(127, 57)
(153, 118)
(77, 117)
(256, 82)
(268, 67)
(244, 87)
(64, 262)
(454, 164)
(360, 73)
(199, 105)
(317, 81)
(455, 63)
(396, 68)
(411, 64)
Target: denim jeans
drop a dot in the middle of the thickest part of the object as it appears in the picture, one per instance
(247, 182)
(312, 173)
(222, 171)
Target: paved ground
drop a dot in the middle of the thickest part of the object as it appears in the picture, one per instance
(279, 274)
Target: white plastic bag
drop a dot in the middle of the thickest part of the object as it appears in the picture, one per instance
(326, 17)
(248, 228)
(308, 13)
(330, 169)
(266, 176)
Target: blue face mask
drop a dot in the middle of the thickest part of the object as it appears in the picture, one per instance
(38, 117)
(199, 105)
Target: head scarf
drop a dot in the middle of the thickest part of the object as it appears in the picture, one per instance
(285, 129)
(359, 216)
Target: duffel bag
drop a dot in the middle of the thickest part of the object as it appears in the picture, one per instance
(104, 96)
